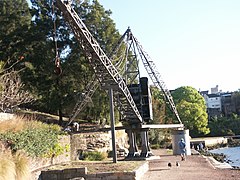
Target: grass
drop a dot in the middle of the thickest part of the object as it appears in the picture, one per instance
(95, 156)
(14, 166)
(7, 166)
(19, 123)
(24, 134)
(13, 125)
(22, 167)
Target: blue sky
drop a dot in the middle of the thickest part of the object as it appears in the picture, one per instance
(193, 42)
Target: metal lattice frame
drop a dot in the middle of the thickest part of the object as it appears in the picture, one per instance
(156, 78)
(92, 86)
(105, 71)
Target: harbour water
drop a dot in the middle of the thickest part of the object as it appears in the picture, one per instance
(232, 155)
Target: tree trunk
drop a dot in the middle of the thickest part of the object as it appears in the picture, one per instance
(60, 121)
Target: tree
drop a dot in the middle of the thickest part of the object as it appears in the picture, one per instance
(236, 101)
(15, 21)
(159, 106)
(159, 137)
(224, 126)
(12, 93)
(192, 110)
(60, 93)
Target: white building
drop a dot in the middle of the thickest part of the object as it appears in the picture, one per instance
(213, 101)
(214, 104)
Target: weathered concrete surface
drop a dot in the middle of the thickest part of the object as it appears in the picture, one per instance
(195, 167)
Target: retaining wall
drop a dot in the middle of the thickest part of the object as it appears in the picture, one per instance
(81, 173)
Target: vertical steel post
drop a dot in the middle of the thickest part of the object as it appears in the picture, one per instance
(110, 91)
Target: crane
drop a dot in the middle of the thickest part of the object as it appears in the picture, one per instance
(93, 84)
(108, 77)
(105, 71)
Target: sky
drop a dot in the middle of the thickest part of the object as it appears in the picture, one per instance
(192, 42)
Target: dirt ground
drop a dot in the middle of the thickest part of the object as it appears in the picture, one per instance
(195, 167)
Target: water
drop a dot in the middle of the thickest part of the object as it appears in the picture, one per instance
(232, 155)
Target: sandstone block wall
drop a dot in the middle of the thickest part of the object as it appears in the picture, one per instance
(96, 141)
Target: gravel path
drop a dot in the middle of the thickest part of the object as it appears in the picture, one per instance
(196, 167)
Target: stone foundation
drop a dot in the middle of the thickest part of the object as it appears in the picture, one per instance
(97, 141)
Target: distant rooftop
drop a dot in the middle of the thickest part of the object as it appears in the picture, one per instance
(213, 95)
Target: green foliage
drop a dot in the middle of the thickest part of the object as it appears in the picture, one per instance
(15, 20)
(58, 95)
(94, 156)
(235, 100)
(155, 146)
(192, 110)
(57, 150)
(37, 139)
(224, 126)
(159, 106)
(159, 138)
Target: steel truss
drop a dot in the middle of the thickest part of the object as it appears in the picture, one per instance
(108, 77)
(93, 85)
(156, 78)
(105, 71)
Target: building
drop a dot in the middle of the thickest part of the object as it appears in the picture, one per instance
(214, 105)
(214, 90)
(218, 103)
(228, 107)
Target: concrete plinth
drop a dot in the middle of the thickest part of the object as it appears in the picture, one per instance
(177, 135)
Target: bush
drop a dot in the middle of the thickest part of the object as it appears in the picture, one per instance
(155, 146)
(57, 150)
(35, 138)
(94, 156)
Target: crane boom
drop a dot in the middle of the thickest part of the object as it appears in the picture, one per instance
(93, 84)
(105, 71)
(156, 78)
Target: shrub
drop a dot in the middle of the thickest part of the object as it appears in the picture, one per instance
(94, 156)
(35, 138)
(57, 150)
(155, 146)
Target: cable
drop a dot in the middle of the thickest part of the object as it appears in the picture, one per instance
(58, 69)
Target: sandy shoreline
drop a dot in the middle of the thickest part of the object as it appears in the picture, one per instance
(195, 167)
